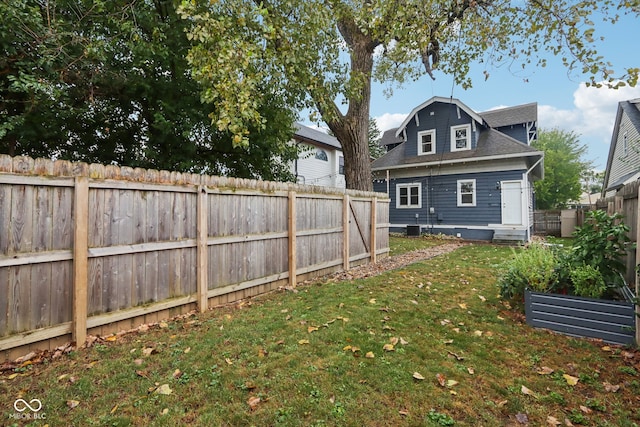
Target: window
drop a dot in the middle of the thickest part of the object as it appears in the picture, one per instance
(408, 195)
(341, 165)
(461, 138)
(467, 192)
(625, 144)
(322, 155)
(427, 142)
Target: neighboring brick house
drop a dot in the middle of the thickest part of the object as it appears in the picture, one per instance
(458, 172)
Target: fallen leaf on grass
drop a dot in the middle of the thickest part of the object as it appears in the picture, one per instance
(393, 340)
(301, 342)
(522, 418)
(414, 302)
(405, 413)
(455, 356)
(12, 376)
(229, 361)
(163, 389)
(165, 411)
(372, 301)
(138, 362)
(477, 333)
(253, 402)
(388, 347)
(553, 421)
(447, 342)
(148, 351)
(142, 374)
(606, 348)
(312, 329)
(610, 387)
(72, 403)
(262, 352)
(570, 380)
(187, 350)
(471, 371)
(545, 370)
(528, 392)
(403, 341)
(462, 306)
(369, 355)
(585, 409)
(442, 380)
(113, 410)
(418, 376)
(452, 383)
(177, 374)
(483, 299)
(111, 338)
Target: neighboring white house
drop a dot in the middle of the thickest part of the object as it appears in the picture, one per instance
(321, 161)
(623, 163)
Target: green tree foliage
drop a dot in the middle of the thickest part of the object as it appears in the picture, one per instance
(563, 169)
(324, 54)
(375, 149)
(108, 82)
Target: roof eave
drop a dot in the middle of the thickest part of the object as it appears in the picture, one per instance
(463, 160)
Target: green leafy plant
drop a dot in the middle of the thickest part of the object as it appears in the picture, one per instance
(601, 243)
(533, 268)
(587, 281)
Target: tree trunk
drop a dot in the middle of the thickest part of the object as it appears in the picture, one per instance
(352, 129)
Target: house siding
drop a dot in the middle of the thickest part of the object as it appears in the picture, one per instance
(443, 118)
(319, 172)
(518, 132)
(440, 193)
(621, 163)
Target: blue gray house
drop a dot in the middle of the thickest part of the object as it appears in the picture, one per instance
(462, 173)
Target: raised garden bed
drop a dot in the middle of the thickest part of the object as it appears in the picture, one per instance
(611, 321)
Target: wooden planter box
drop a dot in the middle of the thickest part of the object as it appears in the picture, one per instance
(611, 321)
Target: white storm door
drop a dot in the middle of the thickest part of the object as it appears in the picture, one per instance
(511, 202)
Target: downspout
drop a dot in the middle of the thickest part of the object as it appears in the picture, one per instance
(526, 178)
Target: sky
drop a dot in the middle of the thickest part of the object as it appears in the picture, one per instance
(564, 101)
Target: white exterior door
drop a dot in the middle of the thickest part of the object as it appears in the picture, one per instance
(511, 202)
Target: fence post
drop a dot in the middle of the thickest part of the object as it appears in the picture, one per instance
(374, 219)
(345, 232)
(80, 259)
(292, 240)
(202, 270)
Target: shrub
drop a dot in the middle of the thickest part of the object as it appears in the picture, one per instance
(587, 281)
(533, 268)
(601, 243)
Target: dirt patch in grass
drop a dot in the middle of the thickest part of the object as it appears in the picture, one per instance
(394, 262)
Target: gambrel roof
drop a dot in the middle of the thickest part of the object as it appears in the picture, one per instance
(433, 100)
(500, 117)
(492, 144)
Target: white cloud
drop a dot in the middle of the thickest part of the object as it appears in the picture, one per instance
(389, 120)
(594, 114)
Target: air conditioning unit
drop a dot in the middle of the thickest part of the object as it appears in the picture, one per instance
(413, 230)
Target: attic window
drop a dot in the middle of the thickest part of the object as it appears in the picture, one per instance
(322, 155)
(625, 145)
(427, 142)
(460, 138)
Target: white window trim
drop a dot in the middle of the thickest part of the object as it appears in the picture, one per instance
(433, 139)
(459, 193)
(409, 206)
(453, 137)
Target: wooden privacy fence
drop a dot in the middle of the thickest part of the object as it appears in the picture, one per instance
(93, 249)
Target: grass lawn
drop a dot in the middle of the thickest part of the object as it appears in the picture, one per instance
(430, 344)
